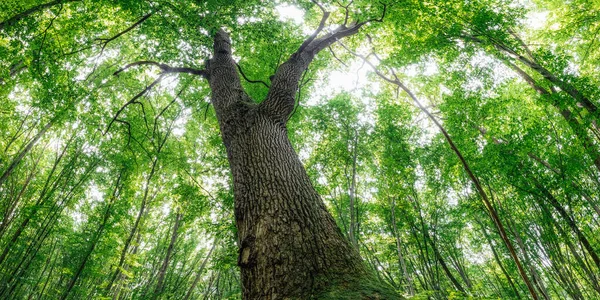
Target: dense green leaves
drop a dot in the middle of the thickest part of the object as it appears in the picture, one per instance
(118, 185)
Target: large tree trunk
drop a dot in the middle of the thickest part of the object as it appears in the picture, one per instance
(289, 245)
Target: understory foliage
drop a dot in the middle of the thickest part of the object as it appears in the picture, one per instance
(114, 182)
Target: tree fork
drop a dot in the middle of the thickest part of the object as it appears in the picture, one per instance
(290, 246)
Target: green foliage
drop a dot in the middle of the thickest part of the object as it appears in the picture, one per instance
(72, 190)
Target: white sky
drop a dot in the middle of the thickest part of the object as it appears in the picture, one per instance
(289, 12)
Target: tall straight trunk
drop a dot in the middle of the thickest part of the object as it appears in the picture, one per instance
(401, 261)
(46, 193)
(24, 152)
(571, 222)
(528, 261)
(442, 262)
(165, 264)
(199, 272)
(497, 258)
(95, 240)
(137, 221)
(353, 235)
(289, 244)
(9, 214)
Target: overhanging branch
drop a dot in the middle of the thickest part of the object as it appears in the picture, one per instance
(165, 69)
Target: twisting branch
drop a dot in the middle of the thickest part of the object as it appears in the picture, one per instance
(165, 69)
(105, 41)
(247, 79)
(133, 100)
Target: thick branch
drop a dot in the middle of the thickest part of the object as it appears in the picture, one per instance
(224, 79)
(165, 69)
(281, 98)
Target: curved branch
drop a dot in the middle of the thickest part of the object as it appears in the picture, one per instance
(133, 100)
(319, 29)
(246, 78)
(105, 41)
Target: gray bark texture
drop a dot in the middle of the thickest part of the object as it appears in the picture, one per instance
(289, 245)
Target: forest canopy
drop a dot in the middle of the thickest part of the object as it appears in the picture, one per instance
(229, 149)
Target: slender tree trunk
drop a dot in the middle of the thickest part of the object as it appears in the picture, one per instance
(199, 273)
(9, 213)
(24, 152)
(136, 224)
(46, 192)
(497, 258)
(569, 220)
(474, 179)
(579, 130)
(163, 269)
(401, 261)
(534, 274)
(95, 240)
(442, 262)
(353, 235)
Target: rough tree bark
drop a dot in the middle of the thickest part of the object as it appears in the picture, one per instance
(289, 245)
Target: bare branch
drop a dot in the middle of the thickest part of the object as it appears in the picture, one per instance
(133, 100)
(337, 58)
(247, 79)
(165, 69)
(105, 41)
